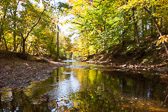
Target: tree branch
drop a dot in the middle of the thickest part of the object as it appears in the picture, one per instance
(35, 24)
(157, 27)
(155, 22)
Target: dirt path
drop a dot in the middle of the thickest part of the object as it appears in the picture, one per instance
(16, 73)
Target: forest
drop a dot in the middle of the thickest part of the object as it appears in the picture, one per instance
(109, 27)
(78, 52)
(121, 28)
(31, 27)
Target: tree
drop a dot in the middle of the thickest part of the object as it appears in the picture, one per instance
(4, 4)
(25, 20)
(102, 25)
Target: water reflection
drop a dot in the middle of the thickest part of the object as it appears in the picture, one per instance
(86, 87)
(65, 88)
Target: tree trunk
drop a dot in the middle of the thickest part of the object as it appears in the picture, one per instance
(23, 45)
(6, 46)
(51, 46)
(136, 35)
(24, 38)
(1, 33)
(142, 28)
(142, 24)
(14, 26)
(157, 27)
(2, 23)
(57, 55)
(14, 41)
(14, 33)
(151, 27)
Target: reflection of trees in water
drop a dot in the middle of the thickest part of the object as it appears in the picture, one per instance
(34, 98)
(57, 77)
(0, 101)
(93, 98)
(99, 90)
(20, 102)
(139, 86)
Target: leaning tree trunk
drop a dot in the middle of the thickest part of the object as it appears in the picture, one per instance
(157, 27)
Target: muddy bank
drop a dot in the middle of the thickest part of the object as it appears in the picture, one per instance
(145, 56)
(16, 73)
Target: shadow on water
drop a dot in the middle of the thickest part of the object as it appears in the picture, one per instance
(87, 87)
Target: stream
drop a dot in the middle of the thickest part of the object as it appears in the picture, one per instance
(83, 87)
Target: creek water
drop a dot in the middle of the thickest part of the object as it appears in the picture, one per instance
(83, 87)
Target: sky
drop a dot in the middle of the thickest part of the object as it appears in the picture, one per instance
(64, 28)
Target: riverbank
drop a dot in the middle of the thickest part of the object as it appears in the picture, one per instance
(18, 73)
(141, 58)
(153, 68)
